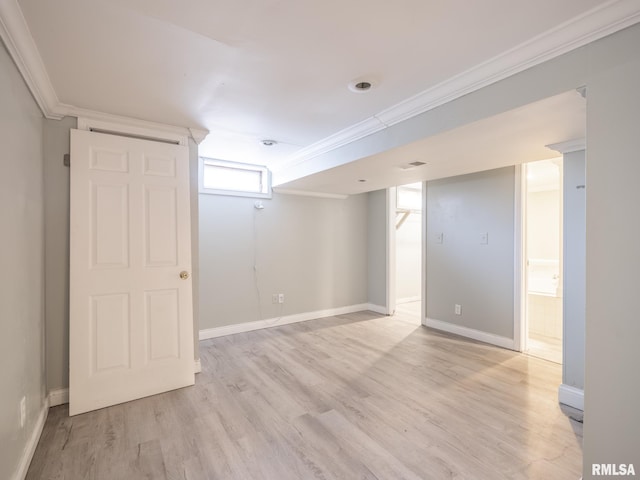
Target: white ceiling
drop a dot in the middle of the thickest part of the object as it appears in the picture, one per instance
(253, 69)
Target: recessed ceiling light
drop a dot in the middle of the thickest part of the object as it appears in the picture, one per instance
(361, 86)
(269, 143)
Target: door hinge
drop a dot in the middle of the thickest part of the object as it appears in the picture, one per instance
(67, 160)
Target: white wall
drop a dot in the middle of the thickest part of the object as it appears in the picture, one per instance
(22, 366)
(461, 270)
(543, 225)
(314, 250)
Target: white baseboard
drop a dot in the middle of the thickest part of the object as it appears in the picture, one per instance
(30, 447)
(208, 333)
(408, 299)
(479, 335)
(572, 396)
(198, 366)
(59, 396)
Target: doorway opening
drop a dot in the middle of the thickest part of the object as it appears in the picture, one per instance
(543, 259)
(408, 250)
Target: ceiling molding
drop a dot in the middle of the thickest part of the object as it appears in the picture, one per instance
(339, 139)
(592, 25)
(198, 134)
(19, 42)
(16, 35)
(568, 146)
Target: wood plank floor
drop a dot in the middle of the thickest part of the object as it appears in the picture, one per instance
(358, 396)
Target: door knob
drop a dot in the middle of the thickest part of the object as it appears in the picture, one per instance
(184, 275)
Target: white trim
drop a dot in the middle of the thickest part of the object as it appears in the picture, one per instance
(59, 396)
(485, 337)
(519, 277)
(391, 250)
(134, 127)
(572, 396)
(423, 239)
(592, 25)
(197, 368)
(22, 48)
(17, 37)
(408, 299)
(304, 193)
(568, 146)
(30, 447)
(588, 27)
(208, 333)
(198, 134)
(266, 190)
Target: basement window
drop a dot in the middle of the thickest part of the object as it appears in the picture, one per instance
(219, 177)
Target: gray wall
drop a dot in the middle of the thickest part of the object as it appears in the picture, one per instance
(460, 270)
(612, 388)
(22, 367)
(377, 247)
(574, 274)
(56, 208)
(314, 250)
(56, 196)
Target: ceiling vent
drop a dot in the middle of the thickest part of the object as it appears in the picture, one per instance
(411, 165)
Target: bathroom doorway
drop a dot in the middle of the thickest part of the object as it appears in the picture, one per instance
(543, 259)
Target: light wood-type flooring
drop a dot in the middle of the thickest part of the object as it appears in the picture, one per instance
(358, 396)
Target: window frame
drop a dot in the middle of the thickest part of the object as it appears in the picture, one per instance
(265, 176)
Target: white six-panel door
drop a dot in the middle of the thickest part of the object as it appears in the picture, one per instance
(131, 319)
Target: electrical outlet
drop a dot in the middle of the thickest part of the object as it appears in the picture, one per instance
(439, 238)
(23, 411)
(281, 298)
(274, 298)
(458, 309)
(484, 239)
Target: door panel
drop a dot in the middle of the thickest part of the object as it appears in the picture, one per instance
(131, 319)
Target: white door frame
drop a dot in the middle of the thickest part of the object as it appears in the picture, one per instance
(423, 283)
(520, 321)
(391, 261)
(391, 250)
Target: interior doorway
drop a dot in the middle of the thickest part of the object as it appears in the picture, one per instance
(408, 250)
(543, 259)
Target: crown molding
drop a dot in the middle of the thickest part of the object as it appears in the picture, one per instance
(568, 146)
(16, 35)
(592, 25)
(198, 134)
(608, 18)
